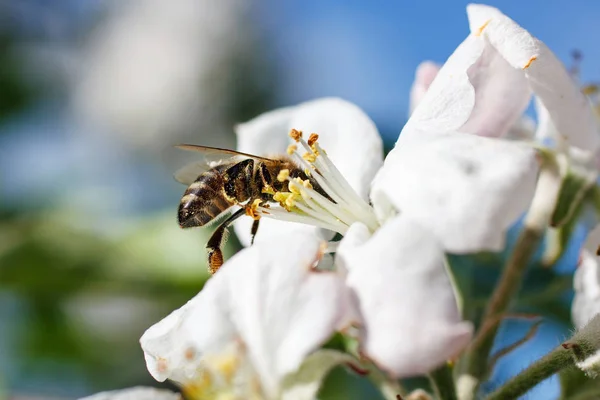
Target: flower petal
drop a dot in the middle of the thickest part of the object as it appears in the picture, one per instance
(268, 298)
(424, 76)
(568, 107)
(135, 393)
(411, 320)
(476, 91)
(586, 303)
(282, 309)
(465, 189)
(170, 345)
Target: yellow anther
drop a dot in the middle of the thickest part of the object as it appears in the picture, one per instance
(290, 201)
(251, 210)
(268, 190)
(283, 175)
(532, 59)
(306, 171)
(201, 387)
(296, 134)
(291, 149)
(227, 366)
(311, 158)
(294, 188)
(307, 184)
(279, 196)
(312, 139)
(315, 150)
(482, 27)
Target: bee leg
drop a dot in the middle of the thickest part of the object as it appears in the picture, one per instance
(217, 240)
(254, 230)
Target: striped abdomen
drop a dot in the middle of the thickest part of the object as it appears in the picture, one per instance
(215, 191)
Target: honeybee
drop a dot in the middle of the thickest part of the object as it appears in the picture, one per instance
(230, 179)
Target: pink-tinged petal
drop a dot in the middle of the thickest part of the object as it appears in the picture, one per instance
(347, 134)
(586, 303)
(424, 76)
(476, 91)
(136, 393)
(568, 107)
(411, 321)
(501, 95)
(465, 189)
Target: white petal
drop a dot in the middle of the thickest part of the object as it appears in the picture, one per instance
(568, 107)
(170, 346)
(268, 298)
(476, 91)
(424, 76)
(135, 393)
(466, 189)
(270, 228)
(411, 320)
(586, 303)
(281, 308)
(523, 129)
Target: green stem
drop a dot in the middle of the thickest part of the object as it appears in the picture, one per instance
(505, 292)
(540, 370)
(442, 383)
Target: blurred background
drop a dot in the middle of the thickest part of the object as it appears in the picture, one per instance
(94, 93)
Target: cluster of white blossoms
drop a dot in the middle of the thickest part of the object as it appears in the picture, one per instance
(465, 168)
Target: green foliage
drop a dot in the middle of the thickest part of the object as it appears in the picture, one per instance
(71, 282)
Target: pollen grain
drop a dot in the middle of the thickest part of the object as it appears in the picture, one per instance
(296, 134)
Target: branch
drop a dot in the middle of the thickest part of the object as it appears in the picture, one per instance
(540, 370)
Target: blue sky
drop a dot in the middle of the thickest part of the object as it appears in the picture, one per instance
(367, 52)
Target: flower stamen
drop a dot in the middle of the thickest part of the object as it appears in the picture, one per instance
(337, 210)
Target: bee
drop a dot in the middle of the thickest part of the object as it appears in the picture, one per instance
(232, 179)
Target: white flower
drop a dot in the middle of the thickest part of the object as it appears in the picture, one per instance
(252, 325)
(390, 270)
(352, 143)
(452, 170)
(453, 183)
(135, 393)
(586, 282)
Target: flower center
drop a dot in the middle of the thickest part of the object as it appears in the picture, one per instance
(227, 375)
(301, 203)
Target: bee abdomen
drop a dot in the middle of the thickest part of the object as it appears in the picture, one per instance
(203, 201)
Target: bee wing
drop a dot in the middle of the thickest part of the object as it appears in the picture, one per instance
(217, 154)
(189, 173)
(211, 156)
